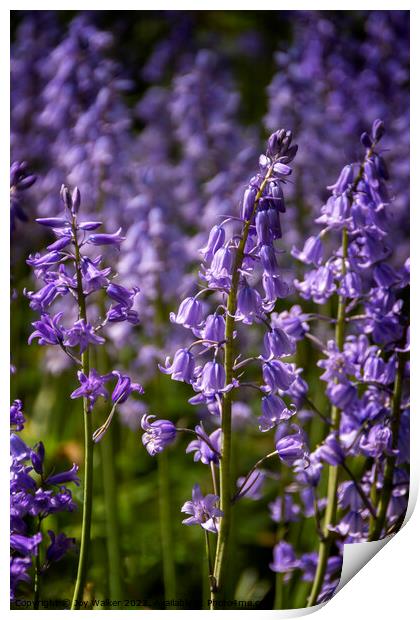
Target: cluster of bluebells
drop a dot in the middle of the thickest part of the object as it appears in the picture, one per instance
(35, 493)
(71, 271)
(180, 171)
(360, 376)
(183, 174)
(246, 262)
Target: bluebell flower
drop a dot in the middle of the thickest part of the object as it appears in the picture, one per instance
(203, 510)
(158, 434)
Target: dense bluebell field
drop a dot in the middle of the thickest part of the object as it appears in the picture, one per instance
(210, 321)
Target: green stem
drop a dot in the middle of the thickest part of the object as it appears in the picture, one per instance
(376, 526)
(169, 576)
(37, 577)
(209, 562)
(88, 463)
(220, 562)
(279, 596)
(333, 470)
(279, 602)
(111, 512)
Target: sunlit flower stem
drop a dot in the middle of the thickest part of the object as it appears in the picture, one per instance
(220, 562)
(333, 470)
(376, 525)
(88, 443)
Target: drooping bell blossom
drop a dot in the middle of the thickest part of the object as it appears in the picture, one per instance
(278, 344)
(249, 304)
(214, 328)
(211, 380)
(284, 558)
(290, 447)
(312, 251)
(349, 496)
(182, 367)
(351, 286)
(203, 510)
(274, 288)
(215, 242)
(122, 310)
(277, 375)
(218, 275)
(352, 527)
(158, 434)
(318, 284)
(201, 447)
(274, 410)
(93, 277)
(330, 451)
(190, 314)
(124, 387)
(268, 259)
(18, 448)
(377, 442)
(342, 395)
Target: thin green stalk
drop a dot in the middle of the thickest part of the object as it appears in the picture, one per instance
(111, 514)
(88, 462)
(279, 602)
(220, 562)
(209, 562)
(169, 576)
(279, 596)
(376, 526)
(107, 434)
(333, 470)
(37, 577)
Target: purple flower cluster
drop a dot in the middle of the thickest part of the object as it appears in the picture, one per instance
(243, 267)
(365, 366)
(34, 495)
(72, 271)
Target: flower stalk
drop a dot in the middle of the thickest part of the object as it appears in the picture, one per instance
(376, 526)
(220, 562)
(88, 442)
